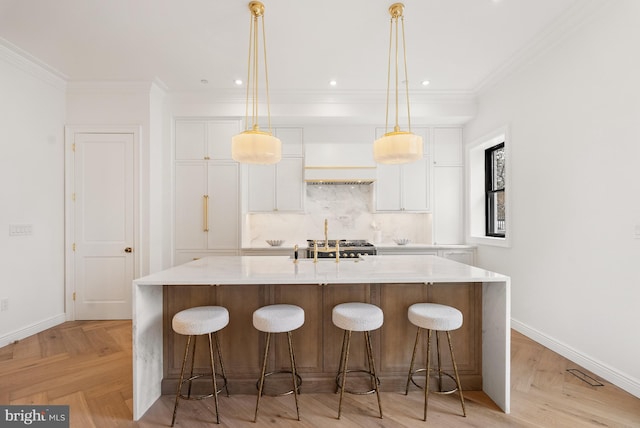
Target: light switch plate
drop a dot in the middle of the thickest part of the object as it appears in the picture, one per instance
(20, 229)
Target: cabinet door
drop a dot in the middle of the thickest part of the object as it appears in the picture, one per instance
(388, 188)
(219, 134)
(224, 212)
(415, 185)
(447, 200)
(289, 185)
(261, 187)
(191, 140)
(190, 192)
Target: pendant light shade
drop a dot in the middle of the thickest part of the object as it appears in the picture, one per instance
(253, 145)
(397, 146)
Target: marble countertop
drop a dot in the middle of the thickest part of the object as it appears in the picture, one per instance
(229, 270)
(303, 245)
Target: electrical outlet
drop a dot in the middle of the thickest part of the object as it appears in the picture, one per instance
(4, 304)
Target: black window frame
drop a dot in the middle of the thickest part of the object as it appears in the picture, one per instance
(491, 194)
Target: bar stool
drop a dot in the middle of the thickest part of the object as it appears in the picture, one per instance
(279, 319)
(191, 323)
(363, 317)
(435, 317)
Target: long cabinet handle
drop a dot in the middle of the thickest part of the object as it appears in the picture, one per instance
(205, 225)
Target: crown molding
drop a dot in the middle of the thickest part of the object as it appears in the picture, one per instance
(27, 63)
(115, 86)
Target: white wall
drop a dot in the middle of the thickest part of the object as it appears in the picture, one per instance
(574, 121)
(32, 118)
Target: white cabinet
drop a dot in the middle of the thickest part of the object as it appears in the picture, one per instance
(206, 207)
(279, 187)
(205, 139)
(404, 187)
(448, 185)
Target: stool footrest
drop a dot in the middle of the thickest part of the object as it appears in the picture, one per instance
(339, 377)
(435, 374)
(298, 383)
(202, 397)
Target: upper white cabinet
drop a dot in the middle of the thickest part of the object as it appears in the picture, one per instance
(279, 187)
(405, 187)
(205, 139)
(448, 173)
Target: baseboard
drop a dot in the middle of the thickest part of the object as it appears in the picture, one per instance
(32, 329)
(629, 384)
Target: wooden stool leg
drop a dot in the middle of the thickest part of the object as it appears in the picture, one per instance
(293, 373)
(372, 368)
(344, 371)
(264, 369)
(455, 370)
(179, 389)
(413, 359)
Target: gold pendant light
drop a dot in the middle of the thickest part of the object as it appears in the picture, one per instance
(254, 145)
(397, 146)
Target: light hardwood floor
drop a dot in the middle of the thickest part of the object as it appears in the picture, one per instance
(87, 365)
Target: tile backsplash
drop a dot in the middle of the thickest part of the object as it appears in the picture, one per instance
(351, 215)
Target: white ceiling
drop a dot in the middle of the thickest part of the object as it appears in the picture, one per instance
(458, 45)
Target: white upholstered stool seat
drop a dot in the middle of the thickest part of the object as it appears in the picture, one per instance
(438, 318)
(200, 320)
(357, 316)
(433, 316)
(279, 318)
(193, 322)
(362, 317)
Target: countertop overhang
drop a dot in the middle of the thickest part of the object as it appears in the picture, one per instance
(229, 270)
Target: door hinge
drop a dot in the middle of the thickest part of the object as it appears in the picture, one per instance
(73, 246)
(73, 196)
(73, 147)
(74, 296)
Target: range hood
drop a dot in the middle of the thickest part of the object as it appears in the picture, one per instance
(339, 163)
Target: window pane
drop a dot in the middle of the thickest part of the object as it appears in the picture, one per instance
(497, 168)
(496, 221)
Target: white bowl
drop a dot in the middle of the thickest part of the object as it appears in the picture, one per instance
(275, 242)
(402, 241)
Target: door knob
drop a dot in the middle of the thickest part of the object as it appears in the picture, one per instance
(128, 250)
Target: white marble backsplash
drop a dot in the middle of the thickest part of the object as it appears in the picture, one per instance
(350, 213)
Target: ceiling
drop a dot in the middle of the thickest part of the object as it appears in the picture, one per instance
(460, 46)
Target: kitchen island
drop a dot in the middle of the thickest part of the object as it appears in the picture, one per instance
(244, 283)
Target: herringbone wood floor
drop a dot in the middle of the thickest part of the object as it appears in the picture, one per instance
(87, 365)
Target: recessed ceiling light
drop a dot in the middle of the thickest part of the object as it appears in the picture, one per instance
(238, 82)
(425, 83)
(333, 82)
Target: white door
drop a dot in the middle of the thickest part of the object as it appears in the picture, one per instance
(103, 230)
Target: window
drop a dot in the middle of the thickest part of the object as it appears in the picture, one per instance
(488, 185)
(494, 173)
